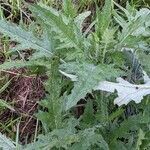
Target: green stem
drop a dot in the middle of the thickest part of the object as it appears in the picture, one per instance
(104, 53)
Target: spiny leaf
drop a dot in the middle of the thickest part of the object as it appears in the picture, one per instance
(88, 139)
(21, 63)
(136, 25)
(58, 23)
(130, 124)
(141, 136)
(69, 8)
(68, 138)
(26, 39)
(88, 116)
(126, 91)
(88, 78)
(58, 138)
(144, 60)
(52, 118)
(5, 143)
(104, 18)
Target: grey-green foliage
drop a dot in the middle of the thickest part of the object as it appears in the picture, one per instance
(104, 18)
(6, 143)
(26, 39)
(134, 34)
(92, 60)
(88, 116)
(69, 8)
(144, 60)
(52, 119)
(134, 28)
(65, 30)
(69, 139)
(89, 77)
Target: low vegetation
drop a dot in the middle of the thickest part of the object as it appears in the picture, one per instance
(75, 75)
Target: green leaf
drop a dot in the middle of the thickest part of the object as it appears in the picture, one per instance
(137, 25)
(88, 139)
(108, 36)
(68, 138)
(88, 116)
(141, 136)
(58, 138)
(53, 102)
(116, 114)
(69, 8)
(117, 145)
(5, 143)
(88, 78)
(25, 38)
(104, 18)
(130, 124)
(60, 24)
(144, 60)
